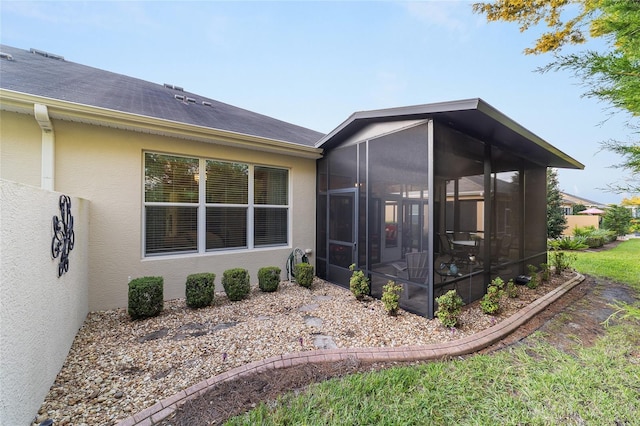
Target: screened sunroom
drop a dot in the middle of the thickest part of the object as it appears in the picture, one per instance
(435, 197)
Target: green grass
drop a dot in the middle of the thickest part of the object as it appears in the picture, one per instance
(535, 384)
(621, 263)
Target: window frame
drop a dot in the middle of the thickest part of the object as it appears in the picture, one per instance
(202, 205)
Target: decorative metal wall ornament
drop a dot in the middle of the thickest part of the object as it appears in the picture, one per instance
(63, 235)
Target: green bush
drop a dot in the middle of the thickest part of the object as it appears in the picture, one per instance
(269, 278)
(617, 219)
(358, 283)
(200, 289)
(512, 289)
(533, 273)
(593, 237)
(490, 302)
(566, 243)
(594, 241)
(236, 283)
(583, 231)
(391, 297)
(304, 274)
(561, 261)
(449, 308)
(146, 297)
(544, 268)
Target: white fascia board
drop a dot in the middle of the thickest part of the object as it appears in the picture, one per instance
(69, 111)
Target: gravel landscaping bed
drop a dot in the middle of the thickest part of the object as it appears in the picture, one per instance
(117, 367)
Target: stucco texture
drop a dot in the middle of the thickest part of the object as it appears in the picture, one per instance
(105, 166)
(40, 313)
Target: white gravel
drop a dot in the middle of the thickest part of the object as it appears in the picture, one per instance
(112, 372)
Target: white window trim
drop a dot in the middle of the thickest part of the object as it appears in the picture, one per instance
(202, 206)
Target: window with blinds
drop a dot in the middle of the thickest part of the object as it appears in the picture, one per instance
(271, 205)
(230, 206)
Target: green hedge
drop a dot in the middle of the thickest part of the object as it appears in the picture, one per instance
(269, 278)
(236, 283)
(199, 289)
(304, 274)
(146, 297)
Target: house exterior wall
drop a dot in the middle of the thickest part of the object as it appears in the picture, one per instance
(40, 313)
(105, 165)
(20, 148)
(580, 221)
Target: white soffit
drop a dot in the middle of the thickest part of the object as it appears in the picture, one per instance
(376, 130)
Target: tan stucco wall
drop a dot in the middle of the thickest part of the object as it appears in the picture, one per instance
(580, 221)
(40, 313)
(20, 148)
(104, 165)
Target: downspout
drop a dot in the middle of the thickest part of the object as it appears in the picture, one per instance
(41, 114)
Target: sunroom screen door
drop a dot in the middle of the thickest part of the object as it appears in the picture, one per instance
(342, 235)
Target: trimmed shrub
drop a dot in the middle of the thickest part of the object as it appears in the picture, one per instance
(236, 283)
(449, 308)
(304, 274)
(269, 278)
(391, 297)
(358, 283)
(146, 297)
(200, 289)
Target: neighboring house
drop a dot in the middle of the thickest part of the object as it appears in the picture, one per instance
(579, 220)
(568, 201)
(166, 182)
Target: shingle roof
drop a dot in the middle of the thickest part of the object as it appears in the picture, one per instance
(34, 73)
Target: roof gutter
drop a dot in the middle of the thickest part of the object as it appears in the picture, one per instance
(47, 177)
(63, 110)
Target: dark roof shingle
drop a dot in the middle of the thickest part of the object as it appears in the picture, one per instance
(36, 74)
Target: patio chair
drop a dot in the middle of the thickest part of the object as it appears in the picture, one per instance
(416, 270)
(447, 249)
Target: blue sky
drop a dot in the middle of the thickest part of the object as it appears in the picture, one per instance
(315, 63)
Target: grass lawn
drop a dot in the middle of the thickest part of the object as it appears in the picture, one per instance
(534, 385)
(621, 263)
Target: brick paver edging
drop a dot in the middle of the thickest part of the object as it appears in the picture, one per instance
(464, 346)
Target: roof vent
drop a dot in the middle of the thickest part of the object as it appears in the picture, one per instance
(6, 56)
(46, 54)
(179, 97)
(205, 103)
(171, 86)
(191, 100)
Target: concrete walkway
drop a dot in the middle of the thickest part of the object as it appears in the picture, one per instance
(470, 344)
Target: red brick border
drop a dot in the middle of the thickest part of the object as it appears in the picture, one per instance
(163, 409)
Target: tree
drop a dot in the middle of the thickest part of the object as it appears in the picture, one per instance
(612, 75)
(617, 219)
(631, 155)
(556, 221)
(633, 201)
(577, 208)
